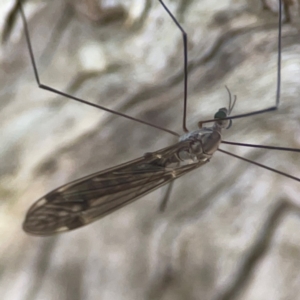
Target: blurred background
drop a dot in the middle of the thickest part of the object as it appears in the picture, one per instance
(231, 230)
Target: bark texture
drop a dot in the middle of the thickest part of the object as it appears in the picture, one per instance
(231, 230)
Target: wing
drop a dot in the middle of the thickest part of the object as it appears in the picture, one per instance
(90, 198)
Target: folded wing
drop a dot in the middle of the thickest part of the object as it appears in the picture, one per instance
(85, 200)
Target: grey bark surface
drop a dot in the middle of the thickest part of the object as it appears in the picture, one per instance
(231, 230)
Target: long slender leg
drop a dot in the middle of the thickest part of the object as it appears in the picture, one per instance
(185, 63)
(165, 199)
(278, 87)
(58, 92)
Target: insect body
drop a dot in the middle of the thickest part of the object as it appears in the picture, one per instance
(88, 199)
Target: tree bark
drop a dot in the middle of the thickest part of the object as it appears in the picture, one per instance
(231, 229)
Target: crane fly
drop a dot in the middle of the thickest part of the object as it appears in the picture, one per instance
(88, 199)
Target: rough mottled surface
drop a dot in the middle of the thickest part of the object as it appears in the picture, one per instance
(231, 229)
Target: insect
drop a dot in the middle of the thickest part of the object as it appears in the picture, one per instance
(85, 200)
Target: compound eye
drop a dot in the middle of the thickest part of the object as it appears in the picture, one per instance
(220, 114)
